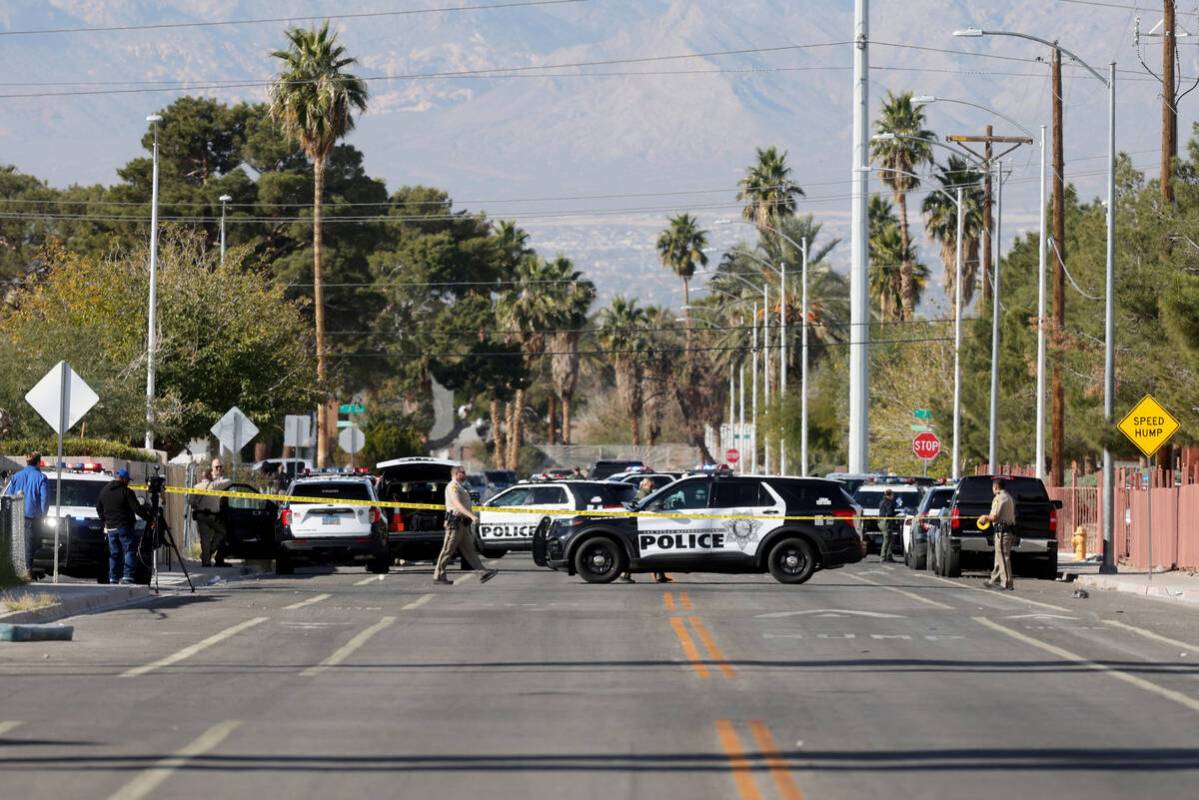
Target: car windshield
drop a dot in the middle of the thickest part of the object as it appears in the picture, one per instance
(333, 490)
(77, 493)
(499, 476)
(873, 498)
(939, 499)
(1022, 490)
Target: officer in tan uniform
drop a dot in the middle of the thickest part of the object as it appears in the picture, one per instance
(1003, 520)
(459, 514)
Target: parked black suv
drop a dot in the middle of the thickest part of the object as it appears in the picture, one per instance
(600, 548)
(957, 540)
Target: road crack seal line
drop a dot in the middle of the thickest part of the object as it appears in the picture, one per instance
(1184, 700)
(145, 783)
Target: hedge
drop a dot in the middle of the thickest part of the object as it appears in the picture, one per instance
(76, 448)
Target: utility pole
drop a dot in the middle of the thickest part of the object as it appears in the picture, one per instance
(1058, 411)
(1169, 110)
(859, 273)
(985, 261)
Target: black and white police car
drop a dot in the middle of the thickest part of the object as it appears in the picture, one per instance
(505, 524)
(600, 548)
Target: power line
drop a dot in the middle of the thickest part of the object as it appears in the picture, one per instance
(1121, 6)
(265, 20)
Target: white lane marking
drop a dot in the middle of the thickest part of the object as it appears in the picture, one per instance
(192, 649)
(347, 649)
(308, 602)
(1194, 648)
(1178, 697)
(1004, 595)
(418, 602)
(829, 612)
(904, 592)
(8, 725)
(464, 578)
(145, 783)
(371, 579)
(1041, 616)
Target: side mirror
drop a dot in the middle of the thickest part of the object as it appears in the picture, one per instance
(1057, 504)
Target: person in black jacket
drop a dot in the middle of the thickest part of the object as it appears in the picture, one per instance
(119, 509)
(888, 523)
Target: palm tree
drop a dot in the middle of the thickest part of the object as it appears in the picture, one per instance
(941, 222)
(526, 310)
(573, 296)
(314, 99)
(622, 336)
(887, 255)
(681, 248)
(767, 188)
(659, 363)
(905, 153)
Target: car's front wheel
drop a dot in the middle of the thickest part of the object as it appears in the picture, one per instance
(792, 561)
(599, 560)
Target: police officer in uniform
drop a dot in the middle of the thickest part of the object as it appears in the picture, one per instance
(886, 513)
(1003, 520)
(459, 514)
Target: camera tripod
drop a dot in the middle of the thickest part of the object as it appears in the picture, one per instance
(159, 532)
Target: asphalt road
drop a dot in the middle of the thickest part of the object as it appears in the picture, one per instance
(866, 682)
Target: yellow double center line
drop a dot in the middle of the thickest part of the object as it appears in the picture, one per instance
(743, 767)
(698, 663)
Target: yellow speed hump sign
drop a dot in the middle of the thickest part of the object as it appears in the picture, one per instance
(1149, 425)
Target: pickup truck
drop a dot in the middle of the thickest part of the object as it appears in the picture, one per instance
(957, 540)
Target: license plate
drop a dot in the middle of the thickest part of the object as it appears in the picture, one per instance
(330, 519)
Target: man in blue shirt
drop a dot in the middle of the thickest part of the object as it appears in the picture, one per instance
(33, 484)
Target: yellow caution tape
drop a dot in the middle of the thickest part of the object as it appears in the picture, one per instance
(549, 512)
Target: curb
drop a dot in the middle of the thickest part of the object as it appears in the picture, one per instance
(93, 602)
(1160, 592)
(36, 633)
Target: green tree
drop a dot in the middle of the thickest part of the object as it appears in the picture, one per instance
(314, 100)
(768, 190)
(899, 158)
(573, 295)
(681, 249)
(527, 311)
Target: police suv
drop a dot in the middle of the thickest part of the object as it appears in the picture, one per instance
(508, 520)
(712, 523)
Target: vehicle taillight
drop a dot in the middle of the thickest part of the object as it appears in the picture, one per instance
(376, 516)
(397, 522)
(1053, 520)
(955, 519)
(285, 517)
(846, 515)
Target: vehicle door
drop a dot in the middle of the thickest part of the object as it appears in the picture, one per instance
(734, 497)
(498, 528)
(678, 538)
(249, 523)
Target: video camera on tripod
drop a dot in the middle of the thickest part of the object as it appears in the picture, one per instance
(158, 532)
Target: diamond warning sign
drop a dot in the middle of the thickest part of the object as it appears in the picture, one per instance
(1149, 425)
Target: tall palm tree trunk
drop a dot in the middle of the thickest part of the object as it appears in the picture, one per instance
(906, 289)
(567, 399)
(318, 299)
(497, 434)
(552, 433)
(516, 429)
(687, 294)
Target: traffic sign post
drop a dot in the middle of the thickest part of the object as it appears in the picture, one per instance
(61, 398)
(926, 446)
(351, 440)
(234, 431)
(1149, 426)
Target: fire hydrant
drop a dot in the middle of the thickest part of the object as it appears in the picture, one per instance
(1079, 540)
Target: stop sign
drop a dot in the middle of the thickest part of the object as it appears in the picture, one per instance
(732, 455)
(926, 445)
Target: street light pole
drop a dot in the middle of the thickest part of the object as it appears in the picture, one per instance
(859, 286)
(753, 436)
(803, 368)
(224, 199)
(766, 370)
(1041, 253)
(151, 336)
(957, 341)
(782, 359)
(993, 444)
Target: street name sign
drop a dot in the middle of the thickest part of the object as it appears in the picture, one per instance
(351, 408)
(1149, 425)
(922, 413)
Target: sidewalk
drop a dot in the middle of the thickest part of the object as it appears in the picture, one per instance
(1175, 586)
(72, 596)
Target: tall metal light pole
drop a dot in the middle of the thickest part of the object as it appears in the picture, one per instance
(152, 335)
(1041, 254)
(993, 439)
(1109, 314)
(753, 436)
(224, 200)
(782, 359)
(859, 297)
(803, 367)
(766, 369)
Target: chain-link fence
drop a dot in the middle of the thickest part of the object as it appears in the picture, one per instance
(12, 539)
